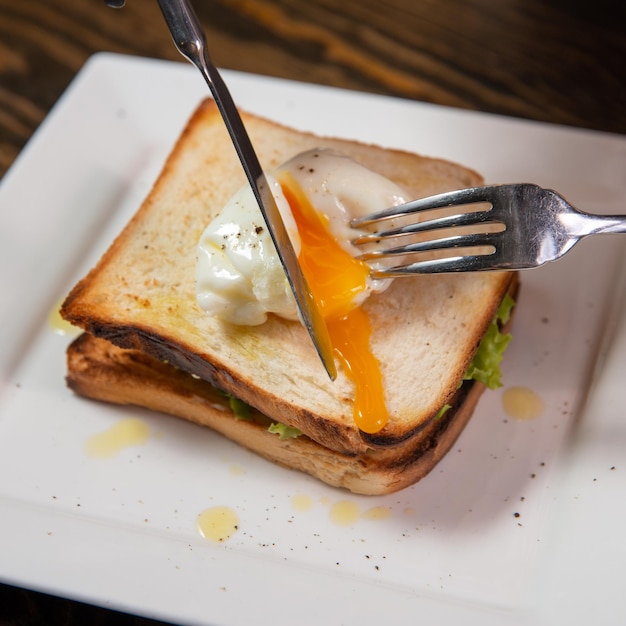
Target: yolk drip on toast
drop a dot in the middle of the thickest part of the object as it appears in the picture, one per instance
(335, 277)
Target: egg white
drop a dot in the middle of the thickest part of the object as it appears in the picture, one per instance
(239, 276)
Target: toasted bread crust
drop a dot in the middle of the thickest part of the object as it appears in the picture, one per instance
(99, 370)
(141, 296)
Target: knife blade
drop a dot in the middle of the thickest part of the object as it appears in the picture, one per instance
(190, 40)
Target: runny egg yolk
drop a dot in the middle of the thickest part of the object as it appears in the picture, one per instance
(335, 278)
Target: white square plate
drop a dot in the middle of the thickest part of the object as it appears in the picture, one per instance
(520, 523)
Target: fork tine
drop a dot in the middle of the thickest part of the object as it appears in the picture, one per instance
(450, 221)
(443, 243)
(475, 263)
(442, 200)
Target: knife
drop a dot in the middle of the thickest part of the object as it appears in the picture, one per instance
(190, 40)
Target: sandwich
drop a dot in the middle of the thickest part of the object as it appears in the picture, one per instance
(188, 312)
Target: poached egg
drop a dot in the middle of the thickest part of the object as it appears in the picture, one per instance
(240, 278)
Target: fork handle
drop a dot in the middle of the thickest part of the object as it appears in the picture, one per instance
(601, 224)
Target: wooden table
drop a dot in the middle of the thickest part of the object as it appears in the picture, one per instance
(550, 60)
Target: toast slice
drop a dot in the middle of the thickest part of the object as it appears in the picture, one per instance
(99, 370)
(141, 296)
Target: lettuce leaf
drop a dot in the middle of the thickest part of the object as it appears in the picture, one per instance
(242, 411)
(239, 408)
(284, 431)
(442, 411)
(485, 366)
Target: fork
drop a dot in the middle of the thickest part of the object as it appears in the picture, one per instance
(523, 227)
